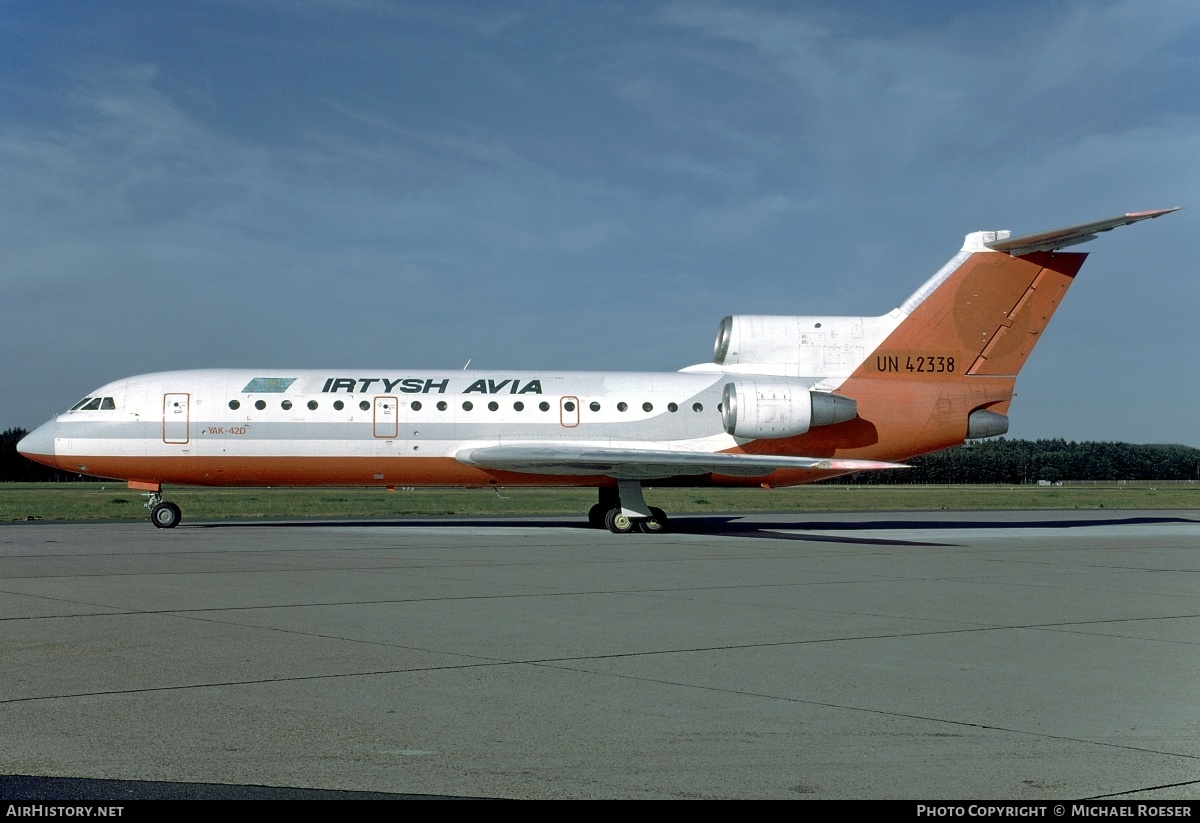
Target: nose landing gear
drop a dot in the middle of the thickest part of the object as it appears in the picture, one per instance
(163, 514)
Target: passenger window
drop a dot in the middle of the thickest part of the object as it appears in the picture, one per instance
(364, 405)
(468, 405)
(312, 405)
(287, 404)
(235, 405)
(672, 407)
(647, 407)
(697, 407)
(622, 406)
(594, 406)
(339, 405)
(442, 405)
(260, 404)
(519, 406)
(415, 405)
(544, 406)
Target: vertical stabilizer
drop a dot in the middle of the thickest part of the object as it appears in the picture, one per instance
(980, 314)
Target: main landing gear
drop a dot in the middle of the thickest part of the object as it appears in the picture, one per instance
(163, 514)
(623, 510)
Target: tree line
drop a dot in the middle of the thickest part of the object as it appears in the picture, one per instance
(992, 461)
(1017, 462)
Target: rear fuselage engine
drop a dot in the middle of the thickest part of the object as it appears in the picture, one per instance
(761, 409)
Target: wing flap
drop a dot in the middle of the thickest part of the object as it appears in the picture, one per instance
(648, 464)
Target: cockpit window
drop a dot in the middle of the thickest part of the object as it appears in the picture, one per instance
(95, 404)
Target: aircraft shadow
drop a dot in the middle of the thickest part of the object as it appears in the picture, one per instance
(704, 526)
(39, 788)
(736, 527)
(733, 526)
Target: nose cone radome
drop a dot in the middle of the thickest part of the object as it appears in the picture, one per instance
(38, 445)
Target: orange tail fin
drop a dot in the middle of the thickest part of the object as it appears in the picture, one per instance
(983, 318)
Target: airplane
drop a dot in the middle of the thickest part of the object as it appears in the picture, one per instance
(786, 400)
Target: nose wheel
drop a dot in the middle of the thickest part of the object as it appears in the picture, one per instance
(163, 513)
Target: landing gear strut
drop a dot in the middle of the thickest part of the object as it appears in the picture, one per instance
(623, 510)
(163, 514)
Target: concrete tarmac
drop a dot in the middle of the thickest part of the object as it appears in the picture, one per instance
(944, 655)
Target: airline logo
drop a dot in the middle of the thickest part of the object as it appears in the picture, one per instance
(269, 385)
(427, 385)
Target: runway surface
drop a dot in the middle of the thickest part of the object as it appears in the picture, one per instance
(1000, 655)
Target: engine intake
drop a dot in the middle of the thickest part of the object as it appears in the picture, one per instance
(763, 410)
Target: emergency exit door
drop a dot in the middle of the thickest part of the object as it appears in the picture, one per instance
(387, 421)
(568, 412)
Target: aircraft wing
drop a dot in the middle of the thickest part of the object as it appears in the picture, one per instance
(1070, 235)
(647, 464)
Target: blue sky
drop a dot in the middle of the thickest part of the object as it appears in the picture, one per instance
(583, 185)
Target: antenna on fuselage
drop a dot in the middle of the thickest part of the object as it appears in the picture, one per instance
(469, 359)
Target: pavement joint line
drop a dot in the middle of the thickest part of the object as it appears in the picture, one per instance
(521, 595)
(1145, 789)
(555, 662)
(886, 713)
(558, 664)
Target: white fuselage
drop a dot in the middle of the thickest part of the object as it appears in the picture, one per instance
(223, 426)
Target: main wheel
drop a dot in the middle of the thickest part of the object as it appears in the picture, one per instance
(596, 515)
(166, 515)
(618, 522)
(656, 523)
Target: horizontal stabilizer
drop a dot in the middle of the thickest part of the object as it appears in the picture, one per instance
(1070, 235)
(645, 464)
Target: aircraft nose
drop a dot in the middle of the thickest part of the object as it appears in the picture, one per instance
(38, 445)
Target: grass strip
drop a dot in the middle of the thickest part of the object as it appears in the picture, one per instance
(114, 502)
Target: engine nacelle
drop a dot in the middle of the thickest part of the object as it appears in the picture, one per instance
(759, 339)
(804, 346)
(767, 410)
(983, 423)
